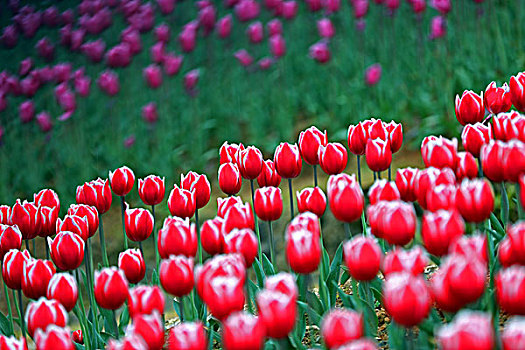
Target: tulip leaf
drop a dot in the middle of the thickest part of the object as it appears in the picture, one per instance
(155, 278)
(123, 320)
(325, 296)
(324, 262)
(292, 342)
(267, 266)
(259, 273)
(396, 336)
(314, 302)
(336, 263)
(504, 210)
(5, 325)
(188, 308)
(497, 224)
(79, 346)
(176, 306)
(345, 277)
(300, 327)
(347, 299)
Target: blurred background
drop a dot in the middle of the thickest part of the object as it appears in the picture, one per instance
(256, 72)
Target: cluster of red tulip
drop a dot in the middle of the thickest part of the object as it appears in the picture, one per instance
(478, 256)
(80, 26)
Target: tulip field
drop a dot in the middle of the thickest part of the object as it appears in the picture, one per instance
(275, 174)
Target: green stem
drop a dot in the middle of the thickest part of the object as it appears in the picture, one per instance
(115, 325)
(290, 190)
(34, 247)
(390, 172)
(480, 168)
(359, 170)
(88, 261)
(504, 212)
(141, 250)
(22, 319)
(102, 241)
(198, 235)
(18, 312)
(520, 204)
(347, 229)
(271, 242)
(306, 282)
(85, 331)
(123, 212)
(155, 243)
(315, 175)
(47, 248)
(259, 248)
(181, 308)
(363, 222)
(9, 310)
(27, 247)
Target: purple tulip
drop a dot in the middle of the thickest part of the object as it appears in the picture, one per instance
(373, 74)
(149, 113)
(224, 26)
(438, 27)
(44, 122)
(255, 32)
(153, 76)
(172, 63)
(246, 10)
(243, 57)
(190, 81)
(157, 52)
(277, 46)
(94, 50)
(26, 110)
(320, 52)
(274, 27)
(325, 28)
(108, 82)
(162, 33)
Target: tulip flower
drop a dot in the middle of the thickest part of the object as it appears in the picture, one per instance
(431, 177)
(212, 238)
(111, 288)
(439, 152)
(441, 197)
(340, 327)
(246, 10)
(26, 110)
(278, 312)
(229, 177)
(469, 246)
(181, 202)
(268, 203)
(42, 313)
(362, 256)
(507, 126)
(466, 278)
(138, 224)
(144, 300)
(268, 176)
(378, 154)
(287, 160)
(89, 213)
(332, 158)
(497, 99)
(13, 268)
(10, 238)
(5, 213)
(243, 330)
(513, 336)
(406, 298)
(509, 286)
(172, 63)
(517, 94)
(277, 45)
(383, 190)
(244, 242)
(162, 32)
(176, 275)
(224, 26)
(11, 343)
(309, 142)
(122, 181)
(474, 136)
(94, 50)
(75, 224)
(63, 288)
(238, 216)
(132, 264)
(373, 74)
(166, 6)
(108, 82)
(345, 197)
(130, 341)
(311, 200)
(53, 337)
(470, 108)
(228, 152)
(468, 330)
(244, 58)
(150, 328)
(250, 162)
(96, 193)
(67, 250)
(36, 276)
(153, 76)
(255, 32)
(151, 190)
(188, 335)
(177, 236)
(440, 229)
(47, 198)
(320, 52)
(475, 200)
(466, 167)
(27, 216)
(78, 337)
(413, 261)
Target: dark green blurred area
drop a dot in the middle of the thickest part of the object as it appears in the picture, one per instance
(259, 107)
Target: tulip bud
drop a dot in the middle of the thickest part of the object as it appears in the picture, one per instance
(47, 198)
(320, 52)
(255, 32)
(309, 142)
(111, 288)
(467, 167)
(373, 74)
(153, 76)
(43, 313)
(341, 326)
(277, 46)
(132, 264)
(5, 213)
(67, 250)
(509, 289)
(230, 180)
(244, 242)
(122, 181)
(27, 217)
(378, 154)
(224, 204)
(162, 33)
(497, 99)
(11, 343)
(177, 237)
(151, 190)
(439, 152)
(332, 158)
(268, 203)
(151, 328)
(181, 202)
(10, 238)
(244, 58)
(440, 229)
(131, 341)
(188, 335)
(212, 238)
(250, 162)
(176, 275)
(466, 278)
(468, 330)
(311, 200)
(138, 224)
(517, 91)
(441, 197)
(513, 336)
(243, 330)
(382, 190)
(325, 28)
(278, 312)
(475, 200)
(13, 268)
(145, 300)
(394, 221)
(63, 288)
(36, 276)
(238, 216)
(75, 224)
(412, 261)
(357, 139)
(89, 213)
(108, 82)
(395, 135)
(345, 197)
(470, 108)
(282, 282)
(431, 177)
(78, 337)
(469, 246)
(199, 185)
(268, 176)
(362, 256)
(96, 193)
(53, 337)
(224, 26)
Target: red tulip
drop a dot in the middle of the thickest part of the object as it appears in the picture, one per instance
(469, 108)
(345, 197)
(439, 152)
(278, 312)
(373, 74)
(122, 180)
(10, 238)
(224, 204)
(238, 216)
(138, 224)
(513, 161)
(277, 45)
(309, 142)
(475, 200)
(440, 229)
(131, 341)
(145, 300)
(311, 200)
(27, 217)
(362, 256)
(212, 237)
(395, 135)
(63, 288)
(406, 182)
(406, 298)
(268, 203)
(517, 91)
(303, 249)
(11, 343)
(497, 99)
(49, 218)
(47, 198)
(36, 276)
(282, 282)
(468, 330)
(510, 283)
(151, 328)
(466, 278)
(513, 336)
(268, 176)
(43, 313)
(469, 246)
(5, 213)
(506, 253)
(378, 154)
(332, 158)
(341, 326)
(431, 177)
(84, 211)
(224, 26)
(188, 335)
(111, 288)
(96, 193)
(151, 189)
(412, 261)
(199, 185)
(242, 330)
(522, 190)
(177, 236)
(467, 167)
(230, 180)
(75, 224)
(67, 250)
(181, 202)
(176, 275)
(287, 160)
(244, 242)
(13, 268)
(441, 197)
(394, 221)
(320, 52)
(250, 162)
(53, 337)
(228, 152)
(132, 264)
(382, 190)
